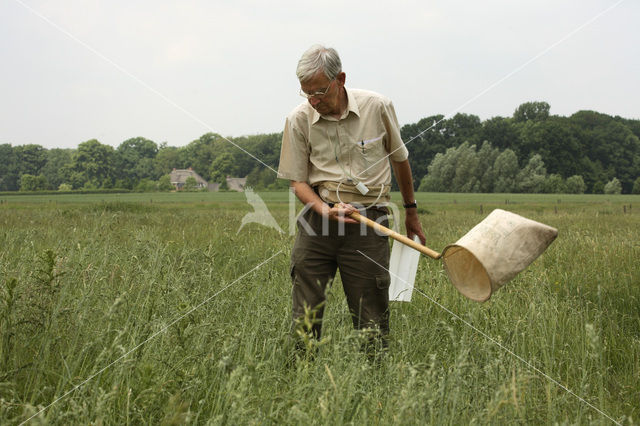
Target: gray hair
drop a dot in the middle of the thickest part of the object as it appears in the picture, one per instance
(319, 58)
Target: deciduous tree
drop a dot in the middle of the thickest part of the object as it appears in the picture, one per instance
(535, 111)
(505, 169)
(613, 187)
(576, 185)
(93, 165)
(531, 178)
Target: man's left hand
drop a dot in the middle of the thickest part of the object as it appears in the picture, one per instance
(412, 224)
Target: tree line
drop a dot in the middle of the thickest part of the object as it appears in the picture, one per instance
(595, 146)
(137, 164)
(531, 151)
(487, 170)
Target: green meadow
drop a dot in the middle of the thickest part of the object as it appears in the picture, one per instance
(154, 309)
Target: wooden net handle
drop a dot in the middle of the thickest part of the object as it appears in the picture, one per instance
(393, 234)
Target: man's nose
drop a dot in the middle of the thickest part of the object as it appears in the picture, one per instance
(314, 101)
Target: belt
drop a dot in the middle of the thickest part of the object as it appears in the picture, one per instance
(372, 207)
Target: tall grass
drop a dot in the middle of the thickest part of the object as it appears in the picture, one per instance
(84, 283)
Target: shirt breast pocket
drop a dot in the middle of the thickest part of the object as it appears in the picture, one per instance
(369, 153)
(371, 147)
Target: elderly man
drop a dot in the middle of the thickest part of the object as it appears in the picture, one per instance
(336, 149)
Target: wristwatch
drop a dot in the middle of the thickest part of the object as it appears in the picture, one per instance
(410, 205)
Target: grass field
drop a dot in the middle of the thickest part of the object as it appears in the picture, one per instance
(151, 308)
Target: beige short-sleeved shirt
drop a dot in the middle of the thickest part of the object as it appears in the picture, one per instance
(319, 148)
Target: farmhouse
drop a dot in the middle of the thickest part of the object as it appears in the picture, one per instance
(179, 178)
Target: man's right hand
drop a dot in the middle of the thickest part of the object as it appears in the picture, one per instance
(340, 212)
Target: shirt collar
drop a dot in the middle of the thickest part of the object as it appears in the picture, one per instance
(352, 106)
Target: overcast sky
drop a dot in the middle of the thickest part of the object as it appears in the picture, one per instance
(170, 71)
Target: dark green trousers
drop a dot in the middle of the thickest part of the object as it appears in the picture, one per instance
(323, 246)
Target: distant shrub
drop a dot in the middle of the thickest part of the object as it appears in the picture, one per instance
(90, 186)
(554, 184)
(164, 183)
(613, 187)
(576, 185)
(146, 185)
(190, 184)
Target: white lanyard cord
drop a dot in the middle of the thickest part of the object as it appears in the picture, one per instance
(372, 204)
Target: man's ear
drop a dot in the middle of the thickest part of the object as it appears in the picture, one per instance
(341, 78)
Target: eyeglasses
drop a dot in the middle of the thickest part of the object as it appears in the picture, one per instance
(317, 94)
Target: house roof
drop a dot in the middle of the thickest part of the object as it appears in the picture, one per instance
(180, 176)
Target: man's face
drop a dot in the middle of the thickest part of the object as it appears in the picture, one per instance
(329, 103)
